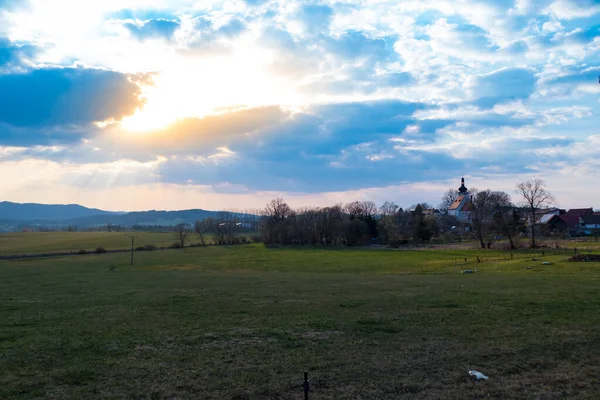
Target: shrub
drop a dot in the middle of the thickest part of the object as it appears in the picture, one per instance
(256, 238)
(398, 242)
(237, 240)
(82, 251)
(100, 250)
(175, 245)
(139, 248)
(149, 247)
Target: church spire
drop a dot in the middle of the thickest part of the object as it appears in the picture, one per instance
(462, 189)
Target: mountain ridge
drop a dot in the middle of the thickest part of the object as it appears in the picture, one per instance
(16, 216)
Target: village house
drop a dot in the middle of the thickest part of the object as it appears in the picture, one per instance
(580, 212)
(575, 222)
(590, 224)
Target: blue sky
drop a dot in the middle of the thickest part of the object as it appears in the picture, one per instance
(139, 104)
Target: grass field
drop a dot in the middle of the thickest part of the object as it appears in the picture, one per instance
(48, 242)
(244, 322)
(24, 243)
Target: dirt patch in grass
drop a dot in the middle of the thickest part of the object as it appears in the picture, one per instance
(585, 258)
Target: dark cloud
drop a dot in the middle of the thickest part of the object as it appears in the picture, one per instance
(577, 75)
(153, 28)
(327, 148)
(25, 136)
(517, 47)
(12, 54)
(503, 86)
(565, 84)
(347, 146)
(66, 96)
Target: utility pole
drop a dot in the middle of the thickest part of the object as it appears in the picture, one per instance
(132, 242)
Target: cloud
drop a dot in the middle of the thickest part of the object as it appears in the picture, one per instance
(255, 2)
(11, 4)
(571, 9)
(14, 55)
(195, 134)
(577, 75)
(152, 29)
(504, 85)
(66, 96)
(232, 28)
(353, 45)
(40, 136)
(315, 17)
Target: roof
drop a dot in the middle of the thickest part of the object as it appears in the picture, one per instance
(571, 220)
(546, 218)
(591, 219)
(554, 211)
(431, 211)
(456, 204)
(580, 212)
(468, 206)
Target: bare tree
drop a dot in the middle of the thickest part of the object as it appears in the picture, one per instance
(275, 221)
(200, 229)
(535, 196)
(182, 232)
(388, 222)
(421, 226)
(484, 206)
(447, 199)
(507, 221)
(364, 211)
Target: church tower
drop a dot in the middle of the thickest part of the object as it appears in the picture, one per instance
(461, 208)
(462, 190)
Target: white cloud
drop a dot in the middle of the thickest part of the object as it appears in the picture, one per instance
(570, 9)
(552, 26)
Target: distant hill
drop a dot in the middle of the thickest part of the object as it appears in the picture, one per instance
(51, 212)
(15, 216)
(152, 217)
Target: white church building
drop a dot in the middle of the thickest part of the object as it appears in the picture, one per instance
(462, 206)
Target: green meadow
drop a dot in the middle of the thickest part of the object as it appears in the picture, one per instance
(245, 322)
(56, 242)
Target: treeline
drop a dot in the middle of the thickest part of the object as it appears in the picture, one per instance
(353, 224)
(361, 222)
(491, 214)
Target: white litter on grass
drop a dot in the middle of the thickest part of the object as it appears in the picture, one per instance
(478, 375)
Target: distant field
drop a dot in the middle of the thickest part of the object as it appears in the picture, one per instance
(49, 242)
(244, 322)
(44, 242)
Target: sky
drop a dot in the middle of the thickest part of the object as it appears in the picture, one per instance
(139, 104)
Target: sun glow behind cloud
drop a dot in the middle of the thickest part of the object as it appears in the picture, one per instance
(197, 87)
